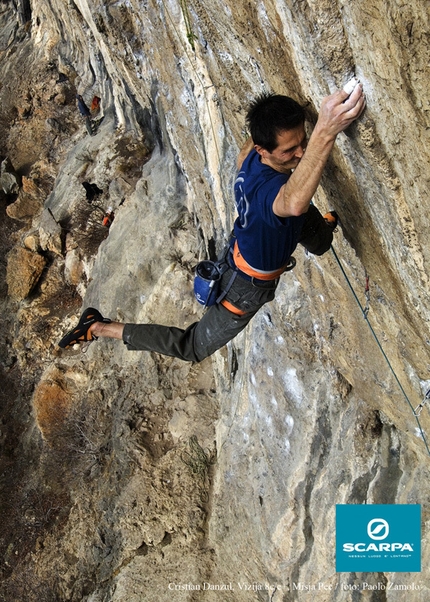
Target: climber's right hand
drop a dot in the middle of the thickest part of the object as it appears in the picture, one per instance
(339, 110)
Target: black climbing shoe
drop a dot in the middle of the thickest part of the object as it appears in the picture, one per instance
(80, 334)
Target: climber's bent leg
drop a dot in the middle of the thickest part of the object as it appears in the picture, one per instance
(217, 327)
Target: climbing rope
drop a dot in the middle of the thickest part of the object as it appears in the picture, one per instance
(365, 311)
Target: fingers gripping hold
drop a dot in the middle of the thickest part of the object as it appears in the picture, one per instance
(355, 102)
(350, 85)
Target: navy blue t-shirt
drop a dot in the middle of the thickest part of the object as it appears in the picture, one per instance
(265, 240)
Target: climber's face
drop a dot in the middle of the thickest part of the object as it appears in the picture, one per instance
(290, 149)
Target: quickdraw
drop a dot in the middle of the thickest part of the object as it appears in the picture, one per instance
(367, 295)
(419, 407)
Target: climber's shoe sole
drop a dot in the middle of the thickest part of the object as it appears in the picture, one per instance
(81, 333)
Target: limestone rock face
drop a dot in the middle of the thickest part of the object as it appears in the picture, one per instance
(73, 267)
(137, 477)
(50, 233)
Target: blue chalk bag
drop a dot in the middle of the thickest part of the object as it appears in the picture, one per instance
(206, 282)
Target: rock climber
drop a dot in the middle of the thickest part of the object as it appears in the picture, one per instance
(279, 170)
(83, 109)
(95, 104)
(108, 217)
(91, 191)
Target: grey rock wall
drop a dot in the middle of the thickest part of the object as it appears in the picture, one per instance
(308, 407)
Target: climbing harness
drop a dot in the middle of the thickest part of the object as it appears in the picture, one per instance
(239, 263)
(208, 274)
(418, 409)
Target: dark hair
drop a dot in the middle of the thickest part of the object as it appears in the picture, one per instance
(270, 114)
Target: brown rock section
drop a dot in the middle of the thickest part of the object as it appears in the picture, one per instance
(29, 202)
(24, 269)
(52, 402)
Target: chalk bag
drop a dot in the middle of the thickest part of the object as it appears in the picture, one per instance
(206, 282)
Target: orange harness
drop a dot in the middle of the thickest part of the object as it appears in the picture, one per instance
(244, 267)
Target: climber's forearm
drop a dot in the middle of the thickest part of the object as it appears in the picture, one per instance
(295, 195)
(111, 330)
(337, 112)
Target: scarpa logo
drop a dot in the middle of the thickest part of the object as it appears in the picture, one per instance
(378, 538)
(377, 526)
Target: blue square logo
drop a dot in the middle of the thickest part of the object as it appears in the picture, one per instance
(378, 538)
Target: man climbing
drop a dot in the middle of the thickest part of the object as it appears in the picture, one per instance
(279, 172)
(83, 109)
(91, 191)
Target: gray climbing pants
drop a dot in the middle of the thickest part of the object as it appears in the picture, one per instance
(218, 326)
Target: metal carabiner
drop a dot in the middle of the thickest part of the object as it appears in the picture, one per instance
(419, 407)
